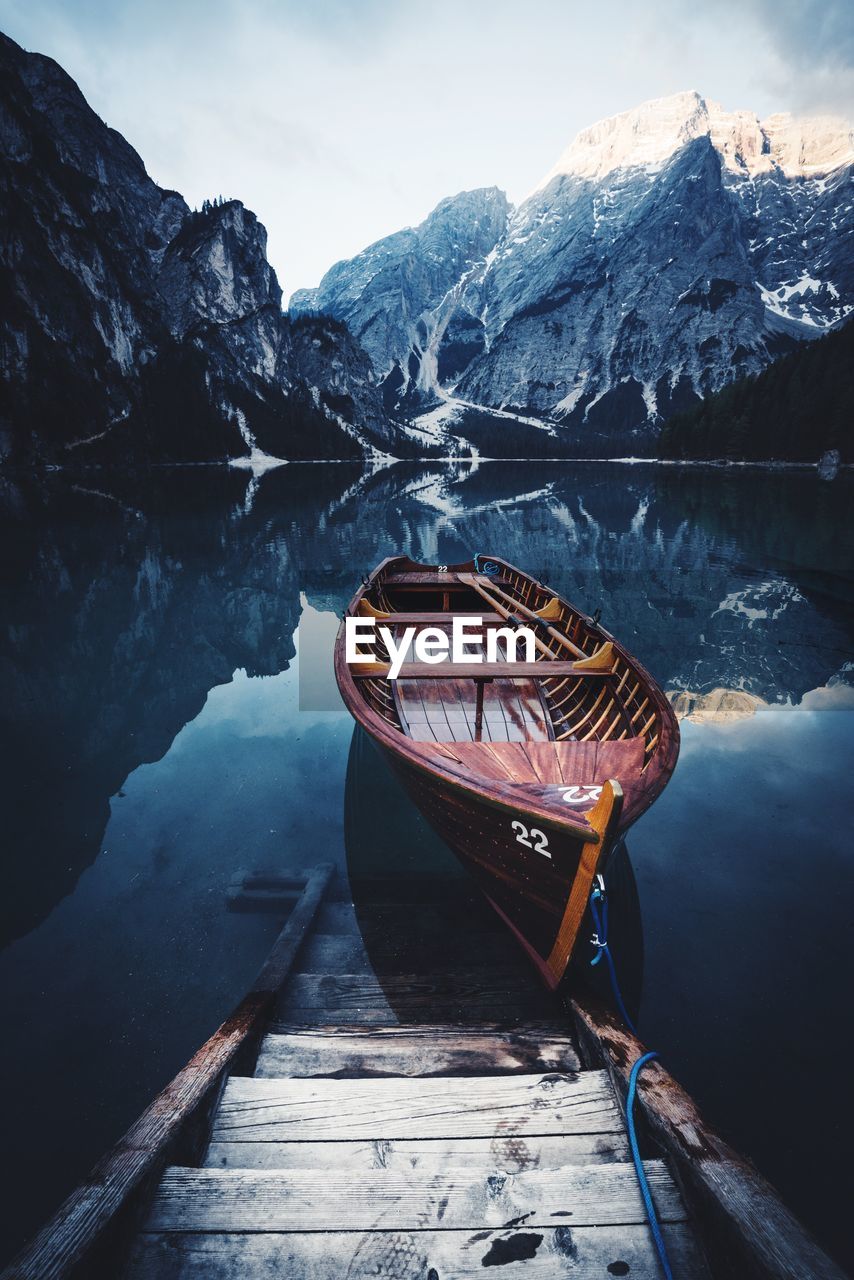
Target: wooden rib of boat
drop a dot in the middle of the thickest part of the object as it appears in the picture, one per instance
(533, 777)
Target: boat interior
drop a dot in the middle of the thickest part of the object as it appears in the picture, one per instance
(597, 698)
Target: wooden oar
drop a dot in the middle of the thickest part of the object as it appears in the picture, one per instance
(468, 580)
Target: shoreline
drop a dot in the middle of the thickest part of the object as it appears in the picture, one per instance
(242, 463)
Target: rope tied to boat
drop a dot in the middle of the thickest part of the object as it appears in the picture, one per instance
(599, 940)
(489, 567)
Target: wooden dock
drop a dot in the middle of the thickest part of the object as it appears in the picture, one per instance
(370, 1141)
(423, 1124)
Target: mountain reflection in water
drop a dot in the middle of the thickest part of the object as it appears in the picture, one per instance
(156, 742)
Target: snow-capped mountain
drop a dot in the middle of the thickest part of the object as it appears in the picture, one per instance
(671, 249)
(135, 330)
(393, 294)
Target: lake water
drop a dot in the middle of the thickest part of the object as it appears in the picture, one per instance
(159, 737)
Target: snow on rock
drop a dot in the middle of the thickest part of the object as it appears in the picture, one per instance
(647, 136)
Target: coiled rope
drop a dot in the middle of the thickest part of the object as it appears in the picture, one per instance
(489, 567)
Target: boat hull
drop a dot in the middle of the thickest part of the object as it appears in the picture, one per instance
(502, 849)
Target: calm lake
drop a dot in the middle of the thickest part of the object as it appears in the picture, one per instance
(169, 719)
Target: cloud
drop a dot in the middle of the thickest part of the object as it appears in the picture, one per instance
(813, 41)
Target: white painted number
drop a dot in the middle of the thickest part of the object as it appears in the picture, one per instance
(581, 794)
(540, 839)
(443, 568)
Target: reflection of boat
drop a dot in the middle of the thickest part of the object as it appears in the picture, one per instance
(531, 779)
(428, 920)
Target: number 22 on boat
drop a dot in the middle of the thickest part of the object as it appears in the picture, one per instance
(534, 838)
(539, 838)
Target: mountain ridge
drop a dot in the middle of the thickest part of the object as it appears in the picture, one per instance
(370, 292)
(620, 293)
(672, 250)
(138, 330)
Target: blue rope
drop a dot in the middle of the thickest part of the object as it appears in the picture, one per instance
(600, 942)
(602, 949)
(654, 1227)
(490, 568)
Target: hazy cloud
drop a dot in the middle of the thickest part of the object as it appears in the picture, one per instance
(814, 44)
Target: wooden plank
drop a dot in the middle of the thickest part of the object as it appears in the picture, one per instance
(412, 1200)
(518, 1253)
(446, 711)
(549, 764)
(433, 1155)
(433, 581)
(314, 998)
(254, 1109)
(412, 1051)
(463, 997)
(268, 881)
(743, 1215)
(422, 583)
(90, 1208)
(440, 618)
(478, 670)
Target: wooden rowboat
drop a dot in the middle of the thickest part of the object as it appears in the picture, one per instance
(532, 778)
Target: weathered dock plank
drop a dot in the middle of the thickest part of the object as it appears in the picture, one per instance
(482, 996)
(547, 1253)
(255, 1109)
(412, 1051)
(315, 998)
(489, 1155)
(425, 946)
(411, 1200)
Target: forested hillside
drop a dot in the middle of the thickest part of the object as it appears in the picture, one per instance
(795, 410)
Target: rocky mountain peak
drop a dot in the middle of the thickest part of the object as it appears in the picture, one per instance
(647, 136)
(139, 330)
(392, 294)
(215, 270)
(673, 249)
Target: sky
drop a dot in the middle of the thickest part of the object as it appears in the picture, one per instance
(339, 122)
